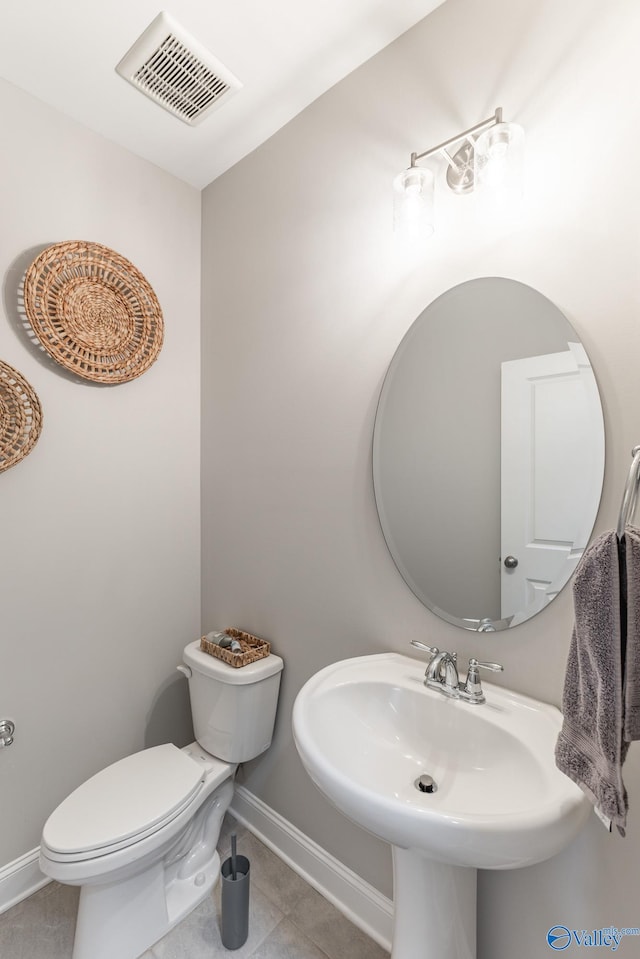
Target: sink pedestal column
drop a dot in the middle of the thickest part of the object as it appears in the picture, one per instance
(434, 908)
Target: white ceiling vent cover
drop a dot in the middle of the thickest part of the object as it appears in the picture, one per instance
(172, 68)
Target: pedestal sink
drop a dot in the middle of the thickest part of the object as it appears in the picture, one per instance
(367, 729)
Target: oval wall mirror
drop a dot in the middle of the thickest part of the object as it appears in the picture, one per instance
(488, 454)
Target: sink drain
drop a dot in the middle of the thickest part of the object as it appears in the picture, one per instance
(426, 784)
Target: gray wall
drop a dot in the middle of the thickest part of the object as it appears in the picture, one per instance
(100, 524)
(305, 299)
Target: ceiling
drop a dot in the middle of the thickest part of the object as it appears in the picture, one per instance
(286, 53)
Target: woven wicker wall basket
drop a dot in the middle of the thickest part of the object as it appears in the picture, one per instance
(20, 417)
(93, 312)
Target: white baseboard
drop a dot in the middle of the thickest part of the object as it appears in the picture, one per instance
(360, 902)
(20, 879)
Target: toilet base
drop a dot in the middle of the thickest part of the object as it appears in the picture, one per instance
(125, 918)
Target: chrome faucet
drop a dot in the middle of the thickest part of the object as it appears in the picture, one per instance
(442, 671)
(442, 674)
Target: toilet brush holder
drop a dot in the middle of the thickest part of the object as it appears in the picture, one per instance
(234, 926)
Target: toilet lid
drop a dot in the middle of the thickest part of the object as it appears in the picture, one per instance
(133, 796)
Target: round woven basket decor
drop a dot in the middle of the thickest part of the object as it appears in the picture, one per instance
(93, 311)
(20, 417)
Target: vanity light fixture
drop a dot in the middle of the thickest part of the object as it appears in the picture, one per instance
(488, 157)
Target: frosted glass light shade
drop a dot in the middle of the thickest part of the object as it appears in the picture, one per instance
(499, 163)
(413, 191)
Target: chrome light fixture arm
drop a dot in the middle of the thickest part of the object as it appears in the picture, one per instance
(466, 134)
(460, 170)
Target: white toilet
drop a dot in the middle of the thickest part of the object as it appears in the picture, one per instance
(140, 837)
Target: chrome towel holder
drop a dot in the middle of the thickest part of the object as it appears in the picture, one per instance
(630, 495)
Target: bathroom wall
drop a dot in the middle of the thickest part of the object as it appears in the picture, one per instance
(305, 299)
(100, 524)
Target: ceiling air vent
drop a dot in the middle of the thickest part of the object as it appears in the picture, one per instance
(172, 68)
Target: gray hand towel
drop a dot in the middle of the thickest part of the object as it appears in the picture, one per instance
(632, 657)
(590, 748)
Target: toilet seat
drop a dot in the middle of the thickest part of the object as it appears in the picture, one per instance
(122, 804)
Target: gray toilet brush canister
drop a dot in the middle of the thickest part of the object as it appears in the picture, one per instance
(234, 927)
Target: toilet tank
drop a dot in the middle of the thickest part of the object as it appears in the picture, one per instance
(233, 709)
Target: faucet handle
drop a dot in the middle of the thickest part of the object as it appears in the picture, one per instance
(472, 689)
(494, 667)
(428, 649)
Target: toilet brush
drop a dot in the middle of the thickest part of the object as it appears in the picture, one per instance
(234, 927)
(233, 856)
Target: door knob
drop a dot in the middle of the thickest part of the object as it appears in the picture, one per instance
(511, 562)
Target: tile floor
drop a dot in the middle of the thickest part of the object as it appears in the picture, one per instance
(288, 919)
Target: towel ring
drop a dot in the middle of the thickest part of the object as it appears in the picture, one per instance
(630, 494)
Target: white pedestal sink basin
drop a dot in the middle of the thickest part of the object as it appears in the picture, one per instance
(367, 728)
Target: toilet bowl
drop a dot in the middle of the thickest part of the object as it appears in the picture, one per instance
(140, 836)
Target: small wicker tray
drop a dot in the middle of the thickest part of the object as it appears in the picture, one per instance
(252, 648)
